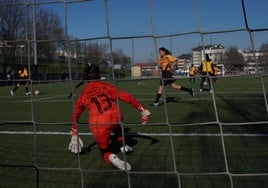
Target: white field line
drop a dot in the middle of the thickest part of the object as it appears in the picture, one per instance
(142, 134)
(63, 98)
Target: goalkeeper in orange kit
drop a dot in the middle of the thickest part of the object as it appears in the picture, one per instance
(104, 116)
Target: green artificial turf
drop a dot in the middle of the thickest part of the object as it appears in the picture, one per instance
(215, 139)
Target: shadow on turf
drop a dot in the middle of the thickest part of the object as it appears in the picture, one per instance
(171, 100)
(87, 149)
(129, 139)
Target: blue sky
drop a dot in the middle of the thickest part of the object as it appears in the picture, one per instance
(180, 19)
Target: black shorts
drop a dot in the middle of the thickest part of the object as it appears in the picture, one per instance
(205, 73)
(22, 82)
(167, 78)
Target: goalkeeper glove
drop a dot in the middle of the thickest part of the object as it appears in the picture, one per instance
(76, 144)
(145, 115)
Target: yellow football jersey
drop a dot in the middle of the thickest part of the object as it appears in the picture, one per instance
(24, 73)
(207, 66)
(164, 62)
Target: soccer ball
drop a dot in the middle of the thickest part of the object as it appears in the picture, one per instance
(36, 92)
(205, 83)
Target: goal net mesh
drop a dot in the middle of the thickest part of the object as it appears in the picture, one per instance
(218, 138)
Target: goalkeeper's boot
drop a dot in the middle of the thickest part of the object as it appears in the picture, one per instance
(122, 165)
(126, 149)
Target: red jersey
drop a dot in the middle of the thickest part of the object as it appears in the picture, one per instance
(100, 100)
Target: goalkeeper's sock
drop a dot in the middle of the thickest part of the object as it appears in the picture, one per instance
(188, 90)
(185, 89)
(105, 157)
(14, 89)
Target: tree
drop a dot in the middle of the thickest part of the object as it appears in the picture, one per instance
(13, 25)
(120, 58)
(264, 58)
(233, 58)
(48, 29)
(14, 19)
(17, 18)
(93, 53)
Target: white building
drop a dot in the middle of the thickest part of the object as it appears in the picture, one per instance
(216, 53)
(252, 64)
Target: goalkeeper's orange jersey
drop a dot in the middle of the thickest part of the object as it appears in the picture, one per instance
(163, 62)
(100, 100)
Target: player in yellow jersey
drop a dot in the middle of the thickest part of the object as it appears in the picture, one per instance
(207, 69)
(23, 75)
(192, 72)
(166, 62)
